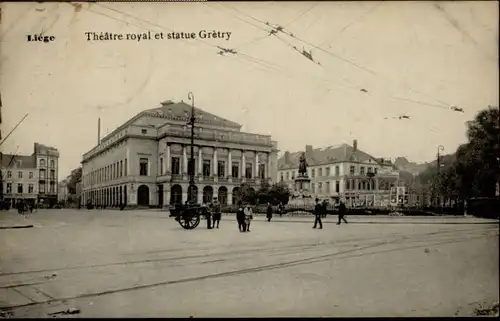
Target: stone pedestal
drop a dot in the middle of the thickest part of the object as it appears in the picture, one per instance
(301, 196)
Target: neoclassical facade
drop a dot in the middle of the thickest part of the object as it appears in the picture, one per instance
(146, 161)
(343, 172)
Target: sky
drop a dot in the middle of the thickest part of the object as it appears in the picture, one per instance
(372, 61)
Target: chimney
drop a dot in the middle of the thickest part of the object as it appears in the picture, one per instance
(99, 131)
(287, 157)
(309, 150)
(355, 145)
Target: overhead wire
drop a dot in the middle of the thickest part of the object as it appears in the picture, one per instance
(334, 55)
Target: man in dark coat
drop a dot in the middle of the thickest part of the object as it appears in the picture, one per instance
(240, 217)
(342, 211)
(269, 212)
(216, 213)
(318, 211)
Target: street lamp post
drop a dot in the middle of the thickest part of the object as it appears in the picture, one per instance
(191, 160)
(439, 148)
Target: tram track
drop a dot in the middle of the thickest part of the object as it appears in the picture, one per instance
(349, 253)
(223, 253)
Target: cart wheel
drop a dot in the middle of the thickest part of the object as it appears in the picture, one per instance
(189, 222)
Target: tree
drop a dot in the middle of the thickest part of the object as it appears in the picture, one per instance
(247, 194)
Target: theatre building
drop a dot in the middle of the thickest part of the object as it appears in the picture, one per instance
(146, 161)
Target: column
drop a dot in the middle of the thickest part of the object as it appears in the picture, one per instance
(256, 172)
(168, 160)
(200, 196)
(215, 163)
(200, 161)
(268, 169)
(243, 164)
(166, 195)
(184, 159)
(184, 196)
(229, 197)
(229, 164)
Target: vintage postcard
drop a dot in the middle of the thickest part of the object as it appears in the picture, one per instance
(255, 159)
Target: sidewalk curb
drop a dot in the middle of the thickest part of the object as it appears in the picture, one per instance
(16, 227)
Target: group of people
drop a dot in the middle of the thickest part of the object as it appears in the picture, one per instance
(244, 217)
(213, 214)
(22, 207)
(320, 211)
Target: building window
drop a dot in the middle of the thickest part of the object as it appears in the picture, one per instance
(313, 173)
(206, 167)
(52, 187)
(248, 170)
(375, 170)
(320, 172)
(287, 176)
(327, 171)
(20, 174)
(52, 163)
(52, 174)
(30, 188)
(337, 171)
(359, 185)
(143, 167)
(221, 166)
(369, 170)
(327, 187)
(320, 188)
(42, 162)
(313, 188)
(42, 174)
(30, 175)
(9, 188)
(191, 163)
(161, 166)
(176, 165)
(352, 170)
(9, 174)
(337, 187)
(125, 171)
(121, 168)
(293, 174)
(144, 131)
(20, 188)
(235, 169)
(347, 185)
(262, 171)
(282, 176)
(362, 170)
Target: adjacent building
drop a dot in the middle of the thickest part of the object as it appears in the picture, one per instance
(343, 172)
(62, 191)
(30, 178)
(146, 161)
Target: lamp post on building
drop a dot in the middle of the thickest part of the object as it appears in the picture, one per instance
(191, 159)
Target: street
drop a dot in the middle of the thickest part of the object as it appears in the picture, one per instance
(109, 263)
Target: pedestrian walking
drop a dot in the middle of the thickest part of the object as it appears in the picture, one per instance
(318, 211)
(208, 215)
(216, 213)
(240, 217)
(248, 216)
(269, 212)
(325, 206)
(342, 211)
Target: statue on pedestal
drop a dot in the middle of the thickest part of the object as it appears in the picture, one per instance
(302, 165)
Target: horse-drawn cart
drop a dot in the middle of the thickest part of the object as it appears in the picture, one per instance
(188, 216)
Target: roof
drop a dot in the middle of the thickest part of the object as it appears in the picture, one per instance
(327, 155)
(183, 110)
(19, 161)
